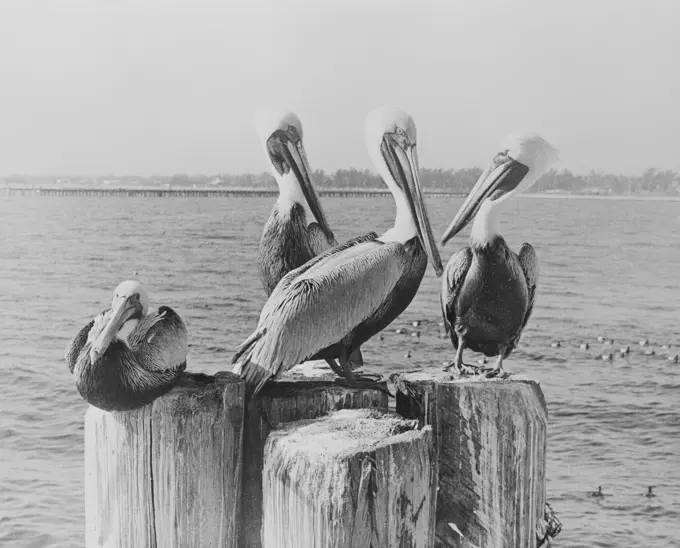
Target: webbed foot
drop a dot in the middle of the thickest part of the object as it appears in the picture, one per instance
(462, 369)
(496, 372)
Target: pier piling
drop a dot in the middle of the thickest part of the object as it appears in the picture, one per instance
(310, 463)
(168, 474)
(490, 440)
(295, 397)
(355, 478)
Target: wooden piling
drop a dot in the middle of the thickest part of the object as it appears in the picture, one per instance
(490, 438)
(353, 479)
(295, 397)
(168, 474)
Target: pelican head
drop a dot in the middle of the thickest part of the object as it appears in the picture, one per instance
(130, 302)
(391, 141)
(523, 158)
(280, 132)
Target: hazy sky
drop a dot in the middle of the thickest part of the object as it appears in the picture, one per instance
(164, 86)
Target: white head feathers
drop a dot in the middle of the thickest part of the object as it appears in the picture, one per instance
(129, 288)
(532, 150)
(271, 119)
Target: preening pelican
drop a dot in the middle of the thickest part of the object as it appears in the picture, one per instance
(124, 358)
(488, 290)
(330, 306)
(297, 229)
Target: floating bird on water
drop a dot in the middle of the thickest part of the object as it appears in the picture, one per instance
(124, 358)
(649, 493)
(330, 306)
(488, 290)
(597, 493)
(297, 229)
(584, 346)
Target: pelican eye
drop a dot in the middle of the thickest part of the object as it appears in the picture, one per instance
(137, 296)
(276, 151)
(501, 158)
(400, 137)
(293, 133)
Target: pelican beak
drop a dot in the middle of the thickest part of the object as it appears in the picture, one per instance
(402, 160)
(123, 309)
(287, 146)
(500, 178)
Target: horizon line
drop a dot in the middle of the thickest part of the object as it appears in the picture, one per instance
(327, 172)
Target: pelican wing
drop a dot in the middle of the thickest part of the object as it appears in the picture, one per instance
(76, 346)
(318, 240)
(160, 341)
(528, 260)
(454, 275)
(293, 274)
(319, 307)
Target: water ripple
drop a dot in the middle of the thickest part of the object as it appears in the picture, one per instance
(607, 269)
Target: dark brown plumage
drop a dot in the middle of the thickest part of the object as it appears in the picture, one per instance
(488, 295)
(133, 373)
(287, 243)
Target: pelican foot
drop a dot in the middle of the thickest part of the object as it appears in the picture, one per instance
(370, 382)
(463, 369)
(495, 372)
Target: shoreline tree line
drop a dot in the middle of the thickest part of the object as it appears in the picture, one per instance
(651, 181)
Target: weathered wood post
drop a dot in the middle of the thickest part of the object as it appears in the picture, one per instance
(352, 479)
(169, 474)
(490, 438)
(295, 397)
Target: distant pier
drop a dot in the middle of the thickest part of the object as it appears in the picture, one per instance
(201, 192)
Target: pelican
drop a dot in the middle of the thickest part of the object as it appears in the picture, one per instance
(297, 229)
(488, 291)
(125, 358)
(333, 304)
